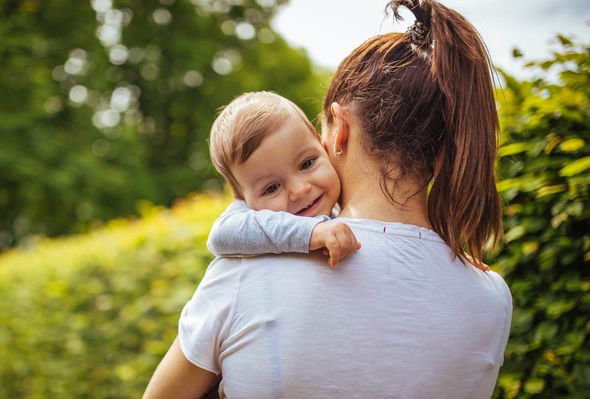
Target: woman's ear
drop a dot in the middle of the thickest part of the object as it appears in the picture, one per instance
(341, 128)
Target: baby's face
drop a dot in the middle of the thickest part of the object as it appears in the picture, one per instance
(289, 171)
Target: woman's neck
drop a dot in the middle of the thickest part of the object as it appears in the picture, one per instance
(362, 196)
(364, 199)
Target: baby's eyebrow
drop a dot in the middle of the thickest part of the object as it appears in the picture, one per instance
(303, 151)
(262, 180)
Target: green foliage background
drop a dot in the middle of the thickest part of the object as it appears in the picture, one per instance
(545, 180)
(107, 103)
(91, 315)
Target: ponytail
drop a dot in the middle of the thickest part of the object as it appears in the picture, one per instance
(427, 96)
(465, 187)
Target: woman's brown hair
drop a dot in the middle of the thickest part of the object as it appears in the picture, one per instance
(424, 95)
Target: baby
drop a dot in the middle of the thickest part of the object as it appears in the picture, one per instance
(286, 188)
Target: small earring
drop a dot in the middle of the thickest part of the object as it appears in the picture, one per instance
(338, 152)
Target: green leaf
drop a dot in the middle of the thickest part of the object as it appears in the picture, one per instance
(556, 309)
(534, 386)
(575, 167)
(545, 331)
(550, 190)
(572, 145)
(512, 149)
(565, 41)
(515, 233)
(506, 184)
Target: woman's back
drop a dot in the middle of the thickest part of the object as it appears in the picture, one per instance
(400, 318)
(410, 125)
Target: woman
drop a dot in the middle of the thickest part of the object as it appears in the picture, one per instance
(406, 316)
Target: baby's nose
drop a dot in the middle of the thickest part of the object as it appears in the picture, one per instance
(298, 189)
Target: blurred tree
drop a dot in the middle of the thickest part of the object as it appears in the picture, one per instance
(111, 102)
(545, 179)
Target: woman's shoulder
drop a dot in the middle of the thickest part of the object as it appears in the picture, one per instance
(501, 286)
(392, 228)
(238, 265)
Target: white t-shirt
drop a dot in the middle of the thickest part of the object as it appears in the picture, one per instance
(398, 319)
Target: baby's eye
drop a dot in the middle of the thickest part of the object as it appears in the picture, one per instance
(307, 163)
(271, 188)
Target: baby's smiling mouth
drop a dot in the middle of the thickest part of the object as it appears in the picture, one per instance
(310, 206)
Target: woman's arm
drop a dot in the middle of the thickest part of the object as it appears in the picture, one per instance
(176, 377)
(243, 231)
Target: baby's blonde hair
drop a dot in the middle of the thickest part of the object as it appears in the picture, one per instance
(242, 125)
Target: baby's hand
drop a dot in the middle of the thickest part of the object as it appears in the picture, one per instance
(336, 237)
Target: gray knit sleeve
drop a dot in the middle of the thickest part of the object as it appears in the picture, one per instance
(243, 231)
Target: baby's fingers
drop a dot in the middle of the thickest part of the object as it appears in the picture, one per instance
(344, 246)
(348, 243)
(333, 248)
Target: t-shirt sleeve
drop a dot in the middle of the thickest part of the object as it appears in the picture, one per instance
(206, 318)
(507, 297)
(243, 231)
(508, 323)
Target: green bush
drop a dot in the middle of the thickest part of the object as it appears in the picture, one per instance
(91, 316)
(545, 171)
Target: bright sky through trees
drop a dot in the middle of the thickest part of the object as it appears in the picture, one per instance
(330, 29)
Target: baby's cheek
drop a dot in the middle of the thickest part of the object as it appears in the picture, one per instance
(334, 178)
(331, 184)
(257, 203)
(276, 203)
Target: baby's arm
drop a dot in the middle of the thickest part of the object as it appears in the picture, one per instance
(243, 231)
